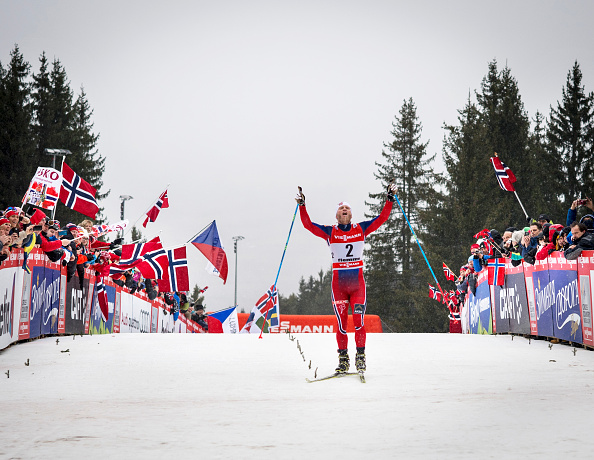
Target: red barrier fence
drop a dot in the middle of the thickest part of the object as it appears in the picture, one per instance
(552, 298)
(42, 302)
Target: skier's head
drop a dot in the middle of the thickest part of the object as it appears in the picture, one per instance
(343, 213)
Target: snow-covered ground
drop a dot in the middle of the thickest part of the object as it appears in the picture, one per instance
(238, 396)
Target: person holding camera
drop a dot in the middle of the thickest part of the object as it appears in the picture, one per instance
(573, 211)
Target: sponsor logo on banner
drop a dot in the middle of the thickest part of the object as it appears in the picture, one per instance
(7, 310)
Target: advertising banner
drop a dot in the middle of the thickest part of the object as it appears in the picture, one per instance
(51, 303)
(96, 323)
(585, 267)
(542, 294)
(500, 311)
(479, 305)
(76, 305)
(136, 313)
(154, 318)
(11, 279)
(165, 321)
(117, 308)
(567, 319)
(516, 300)
(35, 297)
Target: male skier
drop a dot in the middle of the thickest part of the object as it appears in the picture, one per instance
(346, 243)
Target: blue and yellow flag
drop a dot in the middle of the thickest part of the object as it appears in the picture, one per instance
(28, 245)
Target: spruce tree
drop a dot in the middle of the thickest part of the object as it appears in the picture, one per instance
(62, 123)
(16, 145)
(395, 271)
(571, 138)
(507, 133)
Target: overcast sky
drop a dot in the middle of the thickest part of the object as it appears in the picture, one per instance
(235, 103)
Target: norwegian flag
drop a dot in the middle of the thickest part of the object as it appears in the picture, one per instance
(102, 298)
(504, 175)
(485, 233)
(434, 293)
(133, 252)
(449, 274)
(77, 194)
(153, 213)
(176, 277)
(153, 265)
(496, 272)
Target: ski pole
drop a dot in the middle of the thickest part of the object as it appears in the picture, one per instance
(279, 268)
(419, 244)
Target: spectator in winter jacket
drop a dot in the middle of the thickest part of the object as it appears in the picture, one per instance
(531, 236)
(199, 317)
(562, 240)
(498, 244)
(580, 241)
(544, 219)
(549, 247)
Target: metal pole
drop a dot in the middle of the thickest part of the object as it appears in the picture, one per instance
(124, 198)
(235, 240)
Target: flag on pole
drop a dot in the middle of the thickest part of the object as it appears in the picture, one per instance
(102, 229)
(209, 244)
(176, 276)
(152, 265)
(133, 252)
(77, 194)
(153, 213)
(44, 188)
(449, 274)
(223, 321)
(496, 272)
(504, 175)
(266, 309)
(434, 293)
(102, 299)
(28, 245)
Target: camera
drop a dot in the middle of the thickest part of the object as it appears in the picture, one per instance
(582, 202)
(37, 228)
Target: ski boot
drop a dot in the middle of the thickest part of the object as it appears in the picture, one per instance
(343, 362)
(360, 359)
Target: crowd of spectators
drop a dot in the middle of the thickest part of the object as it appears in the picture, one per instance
(528, 244)
(79, 246)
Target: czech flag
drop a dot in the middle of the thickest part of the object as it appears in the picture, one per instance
(223, 321)
(209, 244)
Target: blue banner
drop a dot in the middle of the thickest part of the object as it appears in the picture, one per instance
(544, 296)
(480, 310)
(37, 299)
(51, 302)
(566, 314)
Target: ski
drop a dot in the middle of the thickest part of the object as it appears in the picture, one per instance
(362, 376)
(337, 374)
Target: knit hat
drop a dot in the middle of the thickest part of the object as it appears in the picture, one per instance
(517, 236)
(4, 220)
(37, 217)
(11, 212)
(343, 203)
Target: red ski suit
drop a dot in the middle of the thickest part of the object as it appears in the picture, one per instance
(348, 284)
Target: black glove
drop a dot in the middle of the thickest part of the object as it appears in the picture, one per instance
(391, 191)
(300, 198)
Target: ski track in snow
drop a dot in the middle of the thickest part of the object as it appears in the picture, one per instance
(238, 396)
